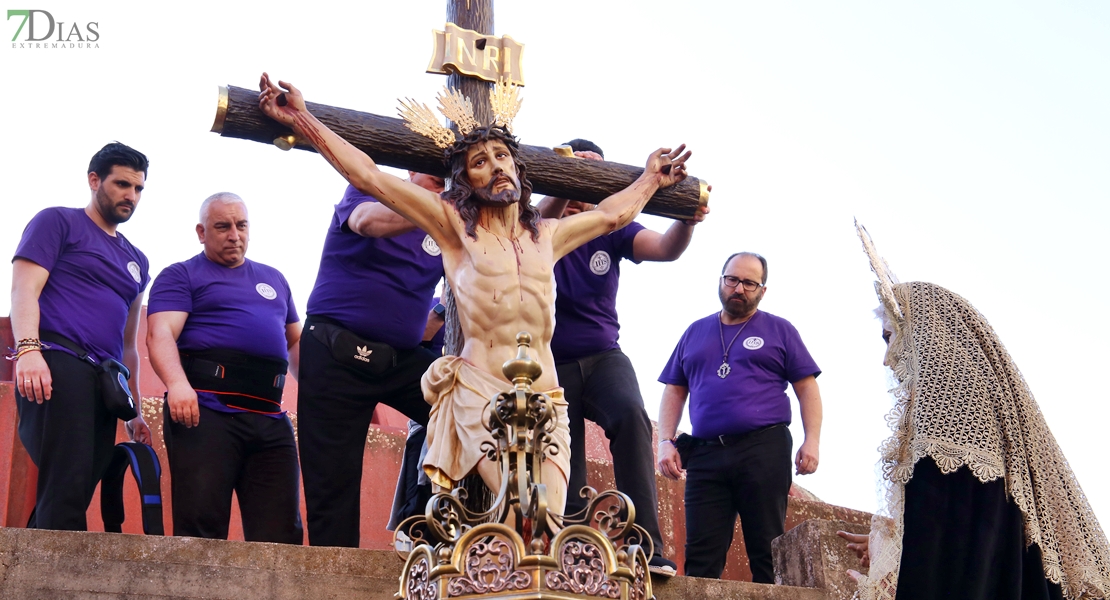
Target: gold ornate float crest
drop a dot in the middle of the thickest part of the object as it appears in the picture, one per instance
(454, 552)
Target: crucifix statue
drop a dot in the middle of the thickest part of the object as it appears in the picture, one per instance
(498, 256)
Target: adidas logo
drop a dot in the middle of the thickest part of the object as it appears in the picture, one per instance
(363, 354)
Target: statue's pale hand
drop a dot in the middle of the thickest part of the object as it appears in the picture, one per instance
(668, 166)
(280, 102)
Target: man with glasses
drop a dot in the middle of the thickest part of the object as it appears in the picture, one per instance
(735, 366)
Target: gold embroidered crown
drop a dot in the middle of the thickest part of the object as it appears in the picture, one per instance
(504, 102)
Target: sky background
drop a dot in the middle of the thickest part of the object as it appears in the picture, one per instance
(971, 138)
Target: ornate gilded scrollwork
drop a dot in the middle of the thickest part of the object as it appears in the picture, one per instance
(489, 567)
(418, 581)
(583, 572)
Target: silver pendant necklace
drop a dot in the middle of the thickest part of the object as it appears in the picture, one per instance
(724, 369)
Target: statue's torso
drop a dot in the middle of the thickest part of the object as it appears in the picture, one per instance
(504, 285)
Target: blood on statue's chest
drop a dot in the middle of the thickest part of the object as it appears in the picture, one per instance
(511, 270)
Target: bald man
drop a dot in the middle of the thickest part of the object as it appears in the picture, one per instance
(223, 333)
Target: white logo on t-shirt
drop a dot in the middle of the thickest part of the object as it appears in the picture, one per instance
(599, 262)
(266, 291)
(135, 271)
(430, 246)
(753, 343)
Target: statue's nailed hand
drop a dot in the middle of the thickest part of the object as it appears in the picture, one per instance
(668, 167)
(280, 102)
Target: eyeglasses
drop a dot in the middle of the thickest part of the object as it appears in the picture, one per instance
(749, 285)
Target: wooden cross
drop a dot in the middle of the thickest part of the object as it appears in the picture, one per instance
(390, 143)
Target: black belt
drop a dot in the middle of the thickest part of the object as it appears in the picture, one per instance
(730, 440)
(59, 340)
(238, 380)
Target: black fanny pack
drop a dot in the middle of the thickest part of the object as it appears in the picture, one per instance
(112, 377)
(355, 352)
(238, 380)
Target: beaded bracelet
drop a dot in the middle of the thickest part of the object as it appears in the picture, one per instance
(14, 355)
(23, 347)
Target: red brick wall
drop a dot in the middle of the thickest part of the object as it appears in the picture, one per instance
(381, 463)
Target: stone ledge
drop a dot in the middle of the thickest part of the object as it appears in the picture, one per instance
(812, 555)
(67, 564)
(37, 564)
(696, 588)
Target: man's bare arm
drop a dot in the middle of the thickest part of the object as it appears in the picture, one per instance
(551, 207)
(653, 246)
(137, 427)
(285, 104)
(32, 374)
(809, 404)
(670, 413)
(375, 220)
(162, 331)
(665, 167)
(293, 341)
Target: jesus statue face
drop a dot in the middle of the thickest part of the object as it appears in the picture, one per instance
(491, 169)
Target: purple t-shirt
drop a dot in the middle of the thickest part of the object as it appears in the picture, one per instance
(94, 278)
(767, 356)
(586, 303)
(244, 309)
(379, 288)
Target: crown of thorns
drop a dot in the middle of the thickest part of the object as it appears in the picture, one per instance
(453, 104)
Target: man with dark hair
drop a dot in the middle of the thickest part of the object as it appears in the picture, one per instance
(77, 289)
(581, 145)
(598, 379)
(499, 259)
(222, 332)
(377, 276)
(737, 462)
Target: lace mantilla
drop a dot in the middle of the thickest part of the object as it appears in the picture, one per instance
(961, 401)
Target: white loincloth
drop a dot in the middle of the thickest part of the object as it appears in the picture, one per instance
(460, 395)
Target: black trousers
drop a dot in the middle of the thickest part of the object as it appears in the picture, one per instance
(251, 454)
(965, 540)
(603, 388)
(70, 438)
(334, 408)
(750, 478)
